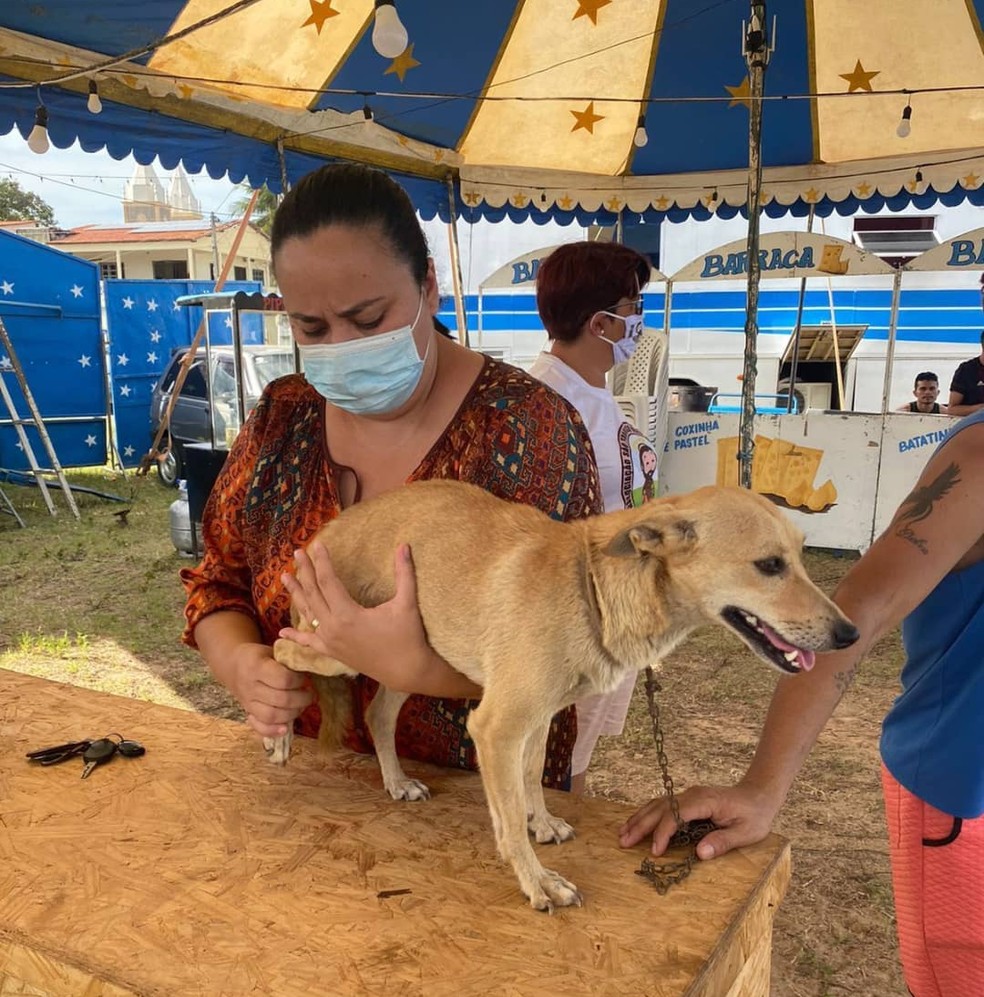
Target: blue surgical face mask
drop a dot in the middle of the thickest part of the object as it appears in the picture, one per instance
(370, 376)
(624, 348)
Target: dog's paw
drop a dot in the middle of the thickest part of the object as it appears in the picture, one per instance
(552, 890)
(547, 828)
(278, 749)
(407, 789)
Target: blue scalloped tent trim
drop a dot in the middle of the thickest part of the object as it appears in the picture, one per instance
(147, 135)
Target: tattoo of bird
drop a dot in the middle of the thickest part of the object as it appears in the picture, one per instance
(920, 502)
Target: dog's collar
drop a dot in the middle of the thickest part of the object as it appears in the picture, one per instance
(591, 596)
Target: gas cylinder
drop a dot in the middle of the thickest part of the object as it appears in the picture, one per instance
(180, 515)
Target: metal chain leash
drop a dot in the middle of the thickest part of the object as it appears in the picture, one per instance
(663, 875)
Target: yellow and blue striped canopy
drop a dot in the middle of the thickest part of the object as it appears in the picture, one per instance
(530, 107)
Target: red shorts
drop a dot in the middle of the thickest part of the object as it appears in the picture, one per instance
(938, 880)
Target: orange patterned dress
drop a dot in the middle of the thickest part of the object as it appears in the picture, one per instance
(512, 435)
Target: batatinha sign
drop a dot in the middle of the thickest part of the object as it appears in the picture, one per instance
(785, 254)
(964, 252)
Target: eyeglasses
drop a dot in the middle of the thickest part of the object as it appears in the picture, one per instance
(637, 306)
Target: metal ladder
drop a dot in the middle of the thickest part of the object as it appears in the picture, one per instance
(38, 423)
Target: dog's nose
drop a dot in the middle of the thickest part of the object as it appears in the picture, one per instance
(845, 634)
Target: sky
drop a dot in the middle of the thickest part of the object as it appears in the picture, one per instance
(86, 188)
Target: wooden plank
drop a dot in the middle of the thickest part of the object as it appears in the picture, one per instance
(202, 869)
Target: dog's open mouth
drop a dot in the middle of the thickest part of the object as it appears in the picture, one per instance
(766, 642)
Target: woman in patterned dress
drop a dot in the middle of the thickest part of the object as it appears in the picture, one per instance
(385, 399)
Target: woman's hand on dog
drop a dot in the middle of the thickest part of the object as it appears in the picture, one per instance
(743, 814)
(271, 694)
(364, 639)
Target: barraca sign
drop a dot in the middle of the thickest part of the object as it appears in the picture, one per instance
(717, 265)
(785, 254)
(525, 271)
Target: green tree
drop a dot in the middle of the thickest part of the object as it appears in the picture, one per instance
(266, 205)
(17, 204)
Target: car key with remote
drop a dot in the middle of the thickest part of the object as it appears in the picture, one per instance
(130, 749)
(98, 752)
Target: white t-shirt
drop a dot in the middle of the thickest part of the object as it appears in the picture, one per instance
(627, 473)
(626, 459)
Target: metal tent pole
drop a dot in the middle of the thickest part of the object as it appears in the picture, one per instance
(757, 56)
(794, 360)
(890, 348)
(459, 295)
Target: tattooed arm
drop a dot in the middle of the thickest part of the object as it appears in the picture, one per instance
(937, 529)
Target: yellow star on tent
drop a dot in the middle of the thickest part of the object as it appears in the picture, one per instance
(402, 64)
(586, 119)
(589, 8)
(741, 94)
(812, 195)
(864, 189)
(186, 91)
(519, 199)
(661, 203)
(970, 180)
(565, 203)
(320, 12)
(470, 197)
(614, 204)
(859, 79)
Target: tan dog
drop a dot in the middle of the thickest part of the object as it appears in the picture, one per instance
(542, 613)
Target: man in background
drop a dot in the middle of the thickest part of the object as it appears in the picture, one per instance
(967, 386)
(926, 393)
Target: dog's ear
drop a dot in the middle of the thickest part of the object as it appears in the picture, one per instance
(669, 535)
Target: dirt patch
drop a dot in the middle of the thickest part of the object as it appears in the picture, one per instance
(98, 604)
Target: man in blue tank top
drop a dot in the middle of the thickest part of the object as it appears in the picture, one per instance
(925, 571)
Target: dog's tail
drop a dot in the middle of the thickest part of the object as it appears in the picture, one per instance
(335, 701)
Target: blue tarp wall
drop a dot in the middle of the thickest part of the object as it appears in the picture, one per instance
(49, 304)
(145, 326)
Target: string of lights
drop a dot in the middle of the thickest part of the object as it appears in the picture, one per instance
(51, 178)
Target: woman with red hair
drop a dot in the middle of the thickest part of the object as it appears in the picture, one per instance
(589, 295)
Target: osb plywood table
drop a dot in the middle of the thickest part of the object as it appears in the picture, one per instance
(202, 869)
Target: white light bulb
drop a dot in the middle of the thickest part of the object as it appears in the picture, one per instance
(389, 37)
(904, 125)
(37, 141)
(641, 138)
(94, 104)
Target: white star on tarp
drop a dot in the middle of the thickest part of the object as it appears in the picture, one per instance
(90, 440)
(122, 359)
(128, 302)
(128, 451)
(5, 363)
(19, 445)
(151, 358)
(228, 322)
(155, 336)
(125, 390)
(175, 307)
(84, 360)
(77, 290)
(7, 287)
(152, 305)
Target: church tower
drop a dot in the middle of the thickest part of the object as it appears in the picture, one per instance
(143, 197)
(181, 201)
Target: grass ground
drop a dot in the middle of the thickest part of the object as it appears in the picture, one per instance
(98, 604)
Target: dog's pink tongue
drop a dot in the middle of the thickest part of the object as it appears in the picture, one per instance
(804, 659)
(807, 659)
